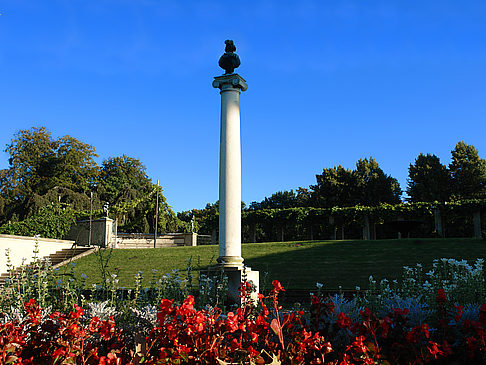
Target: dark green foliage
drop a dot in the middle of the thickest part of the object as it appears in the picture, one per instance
(279, 200)
(374, 186)
(468, 172)
(30, 155)
(429, 180)
(45, 171)
(51, 221)
(74, 166)
(336, 186)
(367, 185)
(205, 220)
(122, 181)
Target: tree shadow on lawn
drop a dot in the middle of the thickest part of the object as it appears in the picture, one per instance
(350, 263)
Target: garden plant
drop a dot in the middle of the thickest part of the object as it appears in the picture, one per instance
(434, 317)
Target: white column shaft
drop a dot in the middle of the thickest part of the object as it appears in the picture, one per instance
(230, 175)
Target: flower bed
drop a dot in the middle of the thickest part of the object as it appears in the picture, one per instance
(261, 334)
(435, 317)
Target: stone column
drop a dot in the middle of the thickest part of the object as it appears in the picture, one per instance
(231, 85)
(438, 222)
(230, 170)
(477, 223)
(366, 227)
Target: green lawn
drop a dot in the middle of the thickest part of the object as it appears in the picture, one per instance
(298, 265)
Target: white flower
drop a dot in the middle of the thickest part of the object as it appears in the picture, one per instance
(319, 285)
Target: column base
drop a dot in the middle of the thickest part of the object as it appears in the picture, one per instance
(230, 261)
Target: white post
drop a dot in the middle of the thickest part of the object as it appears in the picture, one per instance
(230, 171)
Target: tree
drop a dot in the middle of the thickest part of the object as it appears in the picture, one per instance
(30, 169)
(374, 186)
(207, 219)
(428, 180)
(279, 200)
(367, 185)
(41, 168)
(303, 197)
(468, 172)
(336, 186)
(123, 180)
(74, 165)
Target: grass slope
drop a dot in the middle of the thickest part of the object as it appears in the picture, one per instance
(298, 265)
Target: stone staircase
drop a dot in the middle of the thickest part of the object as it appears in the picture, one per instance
(59, 258)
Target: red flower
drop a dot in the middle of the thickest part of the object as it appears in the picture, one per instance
(441, 297)
(277, 287)
(482, 313)
(110, 359)
(459, 309)
(252, 352)
(343, 320)
(434, 349)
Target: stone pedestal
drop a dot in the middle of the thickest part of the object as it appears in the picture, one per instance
(235, 276)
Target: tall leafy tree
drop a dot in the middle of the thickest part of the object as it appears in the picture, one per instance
(336, 186)
(367, 185)
(468, 172)
(428, 180)
(374, 186)
(31, 153)
(123, 180)
(74, 164)
(304, 197)
(41, 168)
(279, 200)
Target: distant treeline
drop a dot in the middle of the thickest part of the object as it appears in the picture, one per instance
(366, 188)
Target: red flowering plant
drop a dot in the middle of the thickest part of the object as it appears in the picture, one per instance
(61, 338)
(331, 332)
(251, 333)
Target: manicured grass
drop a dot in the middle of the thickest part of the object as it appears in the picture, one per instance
(298, 265)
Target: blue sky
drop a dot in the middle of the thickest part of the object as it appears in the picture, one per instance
(330, 82)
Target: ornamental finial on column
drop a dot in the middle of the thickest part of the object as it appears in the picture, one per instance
(229, 60)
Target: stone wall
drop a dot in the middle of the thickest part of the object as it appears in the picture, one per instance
(21, 248)
(103, 232)
(137, 240)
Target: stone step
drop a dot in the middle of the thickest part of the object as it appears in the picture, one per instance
(57, 259)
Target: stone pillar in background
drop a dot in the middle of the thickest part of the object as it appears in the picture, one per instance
(438, 222)
(230, 259)
(230, 170)
(477, 223)
(366, 227)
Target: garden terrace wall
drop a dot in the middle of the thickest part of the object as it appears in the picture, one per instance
(21, 248)
(137, 240)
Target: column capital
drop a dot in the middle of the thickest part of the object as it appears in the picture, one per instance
(232, 81)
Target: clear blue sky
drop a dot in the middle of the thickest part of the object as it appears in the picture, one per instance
(329, 82)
